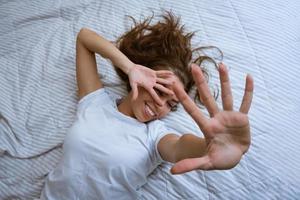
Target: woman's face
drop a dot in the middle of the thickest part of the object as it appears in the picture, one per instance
(145, 109)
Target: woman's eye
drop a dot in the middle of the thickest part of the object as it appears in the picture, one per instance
(173, 106)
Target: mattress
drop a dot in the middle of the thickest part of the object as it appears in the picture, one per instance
(38, 93)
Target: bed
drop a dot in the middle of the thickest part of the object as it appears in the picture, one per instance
(38, 93)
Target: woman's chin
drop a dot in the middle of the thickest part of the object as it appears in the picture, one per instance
(143, 119)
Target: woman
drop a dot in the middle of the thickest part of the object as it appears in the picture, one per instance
(114, 144)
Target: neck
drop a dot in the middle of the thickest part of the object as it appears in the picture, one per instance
(125, 106)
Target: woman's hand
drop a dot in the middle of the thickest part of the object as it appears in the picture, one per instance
(149, 79)
(227, 132)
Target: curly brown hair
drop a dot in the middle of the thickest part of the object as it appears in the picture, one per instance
(163, 46)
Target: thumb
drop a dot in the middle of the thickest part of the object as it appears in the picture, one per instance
(186, 165)
(134, 90)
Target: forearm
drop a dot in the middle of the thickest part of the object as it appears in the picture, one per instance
(189, 146)
(97, 44)
(173, 148)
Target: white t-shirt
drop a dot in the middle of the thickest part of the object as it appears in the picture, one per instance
(107, 155)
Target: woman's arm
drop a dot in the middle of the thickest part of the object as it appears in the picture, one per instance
(226, 132)
(97, 44)
(174, 148)
(88, 43)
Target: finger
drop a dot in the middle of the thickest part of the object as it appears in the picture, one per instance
(155, 96)
(225, 88)
(164, 89)
(190, 106)
(248, 94)
(134, 91)
(163, 81)
(164, 73)
(186, 165)
(204, 91)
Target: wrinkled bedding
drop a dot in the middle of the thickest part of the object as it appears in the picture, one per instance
(38, 93)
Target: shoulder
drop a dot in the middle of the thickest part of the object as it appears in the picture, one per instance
(99, 97)
(156, 124)
(96, 93)
(159, 128)
(156, 128)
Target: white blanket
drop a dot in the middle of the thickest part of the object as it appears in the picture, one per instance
(38, 90)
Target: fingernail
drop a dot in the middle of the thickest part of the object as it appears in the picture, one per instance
(221, 65)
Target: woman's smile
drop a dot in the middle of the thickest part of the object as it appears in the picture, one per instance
(149, 112)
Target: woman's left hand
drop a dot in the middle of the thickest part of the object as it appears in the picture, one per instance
(149, 79)
(226, 132)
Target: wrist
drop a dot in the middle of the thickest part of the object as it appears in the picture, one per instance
(127, 66)
(123, 63)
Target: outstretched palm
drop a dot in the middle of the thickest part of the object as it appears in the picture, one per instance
(227, 132)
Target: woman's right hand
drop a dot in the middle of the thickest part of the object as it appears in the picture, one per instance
(226, 132)
(149, 79)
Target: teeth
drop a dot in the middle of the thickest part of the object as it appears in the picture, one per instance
(150, 111)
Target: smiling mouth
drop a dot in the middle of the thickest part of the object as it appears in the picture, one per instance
(149, 111)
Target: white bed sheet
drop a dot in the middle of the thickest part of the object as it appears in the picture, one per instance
(38, 90)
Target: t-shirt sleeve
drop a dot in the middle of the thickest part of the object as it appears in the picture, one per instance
(157, 131)
(99, 96)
